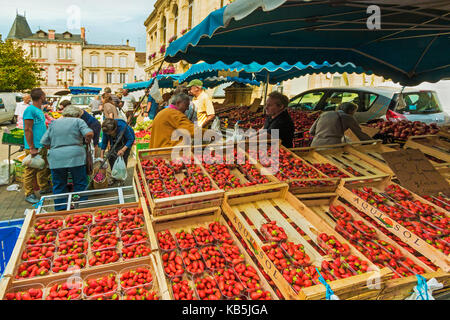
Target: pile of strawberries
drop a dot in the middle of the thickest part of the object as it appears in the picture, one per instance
(330, 170)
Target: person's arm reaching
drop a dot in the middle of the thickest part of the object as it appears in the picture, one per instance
(354, 126)
(130, 137)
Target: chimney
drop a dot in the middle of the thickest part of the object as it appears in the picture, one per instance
(51, 34)
(128, 42)
(83, 33)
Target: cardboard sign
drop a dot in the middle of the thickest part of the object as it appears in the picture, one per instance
(367, 130)
(416, 173)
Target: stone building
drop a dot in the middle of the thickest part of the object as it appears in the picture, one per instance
(67, 59)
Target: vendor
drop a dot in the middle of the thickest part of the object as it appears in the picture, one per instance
(278, 118)
(112, 129)
(170, 119)
(330, 127)
(202, 102)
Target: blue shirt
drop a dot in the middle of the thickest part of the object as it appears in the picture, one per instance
(39, 127)
(128, 136)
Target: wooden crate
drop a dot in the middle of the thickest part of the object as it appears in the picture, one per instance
(321, 184)
(371, 170)
(8, 284)
(182, 203)
(435, 146)
(203, 218)
(320, 205)
(435, 256)
(245, 194)
(345, 156)
(27, 231)
(298, 216)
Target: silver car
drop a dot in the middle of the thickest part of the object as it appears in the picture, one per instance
(374, 102)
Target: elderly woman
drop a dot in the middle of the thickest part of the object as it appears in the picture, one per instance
(64, 138)
(91, 122)
(112, 129)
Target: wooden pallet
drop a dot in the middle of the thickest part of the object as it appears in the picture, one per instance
(203, 218)
(346, 156)
(435, 256)
(371, 170)
(321, 205)
(177, 204)
(432, 145)
(158, 285)
(27, 231)
(247, 219)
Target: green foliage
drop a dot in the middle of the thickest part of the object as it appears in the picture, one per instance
(17, 71)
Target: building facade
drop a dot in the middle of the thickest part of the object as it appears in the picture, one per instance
(65, 58)
(139, 67)
(108, 65)
(169, 20)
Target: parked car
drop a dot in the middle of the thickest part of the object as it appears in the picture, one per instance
(8, 102)
(375, 102)
(79, 100)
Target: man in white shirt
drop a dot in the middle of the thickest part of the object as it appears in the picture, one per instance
(202, 102)
(20, 109)
(129, 103)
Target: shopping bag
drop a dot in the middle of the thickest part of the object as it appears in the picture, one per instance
(154, 92)
(34, 162)
(119, 171)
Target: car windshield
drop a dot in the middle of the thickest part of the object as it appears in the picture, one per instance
(423, 102)
(307, 101)
(78, 100)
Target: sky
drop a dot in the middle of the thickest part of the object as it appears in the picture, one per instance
(106, 21)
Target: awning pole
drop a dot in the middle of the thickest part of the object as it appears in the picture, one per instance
(266, 88)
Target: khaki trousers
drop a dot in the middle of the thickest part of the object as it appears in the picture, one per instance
(43, 176)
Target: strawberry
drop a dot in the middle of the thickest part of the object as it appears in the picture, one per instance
(296, 253)
(101, 288)
(172, 264)
(105, 241)
(65, 291)
(166, 240)
(73, 233)
(202, 236)
(134, 236)
(105, 227)
(129, 213)
(38, 252)
(185, 240)
(272, 232)
(136, 277)
(72, 247)
(232, 254)
(33, 268)
(212, 257)
(103, 257)
(135, 251)
(84, 219)
(107, 215)
(228, 282)
(181, 289)
(133, 223)
(140, 294)
(220, 232)
(30, 294)
(332, 246)
(193, 261)
(48, 224)
(206, 288)
(69, 262)
(38, 238)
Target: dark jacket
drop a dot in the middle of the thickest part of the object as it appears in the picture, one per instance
(127, 139)
(94, 124)
(284, 123)
(329, 128)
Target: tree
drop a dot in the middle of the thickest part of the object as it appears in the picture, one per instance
(17, 71)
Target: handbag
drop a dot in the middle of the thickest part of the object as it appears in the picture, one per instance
(89, 161)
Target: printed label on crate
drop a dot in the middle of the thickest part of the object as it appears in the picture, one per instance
(416, 173)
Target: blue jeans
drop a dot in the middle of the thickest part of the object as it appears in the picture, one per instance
(59, 178)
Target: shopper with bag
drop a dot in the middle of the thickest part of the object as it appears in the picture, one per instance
(64, 138)
(116, 130)
(34, 128)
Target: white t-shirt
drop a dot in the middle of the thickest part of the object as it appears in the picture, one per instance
(20, 108)
(128, 103)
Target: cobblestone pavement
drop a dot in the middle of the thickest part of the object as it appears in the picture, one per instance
(12, 203)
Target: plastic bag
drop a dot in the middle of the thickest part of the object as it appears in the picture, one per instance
(425, 292)
(34, 162)
(119, 170)
(216, 124)
(4, 175)
(154, 92)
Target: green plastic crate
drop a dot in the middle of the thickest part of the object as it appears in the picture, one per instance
(14, 137)
(142, 145)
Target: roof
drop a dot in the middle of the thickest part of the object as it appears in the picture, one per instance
(59, 37)
(19, 29)
(108, 46)
(140, 57)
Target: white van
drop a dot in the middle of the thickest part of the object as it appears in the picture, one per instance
(8, 102)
